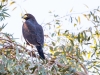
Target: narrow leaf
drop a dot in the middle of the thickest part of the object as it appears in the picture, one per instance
(79, 20)
(86, 6)
(71, 10)
(89, 55)
(14, 8)
(12, 3)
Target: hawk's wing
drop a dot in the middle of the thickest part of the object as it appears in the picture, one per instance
(40, 34)
(33, 32)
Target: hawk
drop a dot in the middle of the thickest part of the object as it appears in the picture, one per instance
(33, 33)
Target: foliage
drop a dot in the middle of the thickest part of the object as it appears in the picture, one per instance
(77, 51)
(71, 53)
(3, 10)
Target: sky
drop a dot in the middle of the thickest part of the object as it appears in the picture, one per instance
(40, 9)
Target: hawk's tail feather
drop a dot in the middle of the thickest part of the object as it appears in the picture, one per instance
(40, 51)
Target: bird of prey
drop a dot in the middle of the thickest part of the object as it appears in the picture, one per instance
(33, 33)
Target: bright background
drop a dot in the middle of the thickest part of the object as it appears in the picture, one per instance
(40, 9)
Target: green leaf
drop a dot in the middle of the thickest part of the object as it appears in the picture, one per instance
(33, 69)
(88, 38)
(75, 24)
(85, 37)
(97, 66)
(55, 15)
(51, 48)
(4, 59)
(57, 53)
(43, 71)
(53, 34)
(71, 19)
(71, 70)
(72, 42)
(12, 3)
(17, 52)
(2, 27)
(79, 37)
(53, 43)
(2, 69)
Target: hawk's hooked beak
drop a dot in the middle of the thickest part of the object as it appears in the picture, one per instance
(25, 16)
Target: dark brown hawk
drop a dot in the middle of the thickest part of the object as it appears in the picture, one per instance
(33, 33)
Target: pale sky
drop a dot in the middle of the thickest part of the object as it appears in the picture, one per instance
(40, 9)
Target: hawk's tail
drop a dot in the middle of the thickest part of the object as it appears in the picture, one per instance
(40, 51)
